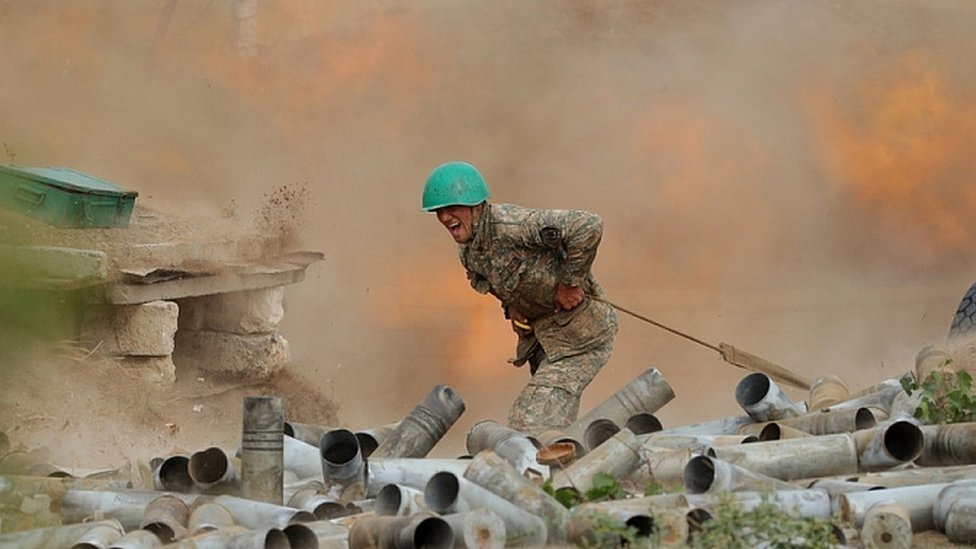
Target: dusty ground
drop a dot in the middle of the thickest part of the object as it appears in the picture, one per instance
(68, 408)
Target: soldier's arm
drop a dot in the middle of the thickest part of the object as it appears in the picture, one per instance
(576, 234)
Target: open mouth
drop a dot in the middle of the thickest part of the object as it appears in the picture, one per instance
(454, 228)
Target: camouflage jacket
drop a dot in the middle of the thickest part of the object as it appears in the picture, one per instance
(519, 254)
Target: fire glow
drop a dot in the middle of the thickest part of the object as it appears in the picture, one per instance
(904, 154)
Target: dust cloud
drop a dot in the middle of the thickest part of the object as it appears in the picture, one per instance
(793, 178)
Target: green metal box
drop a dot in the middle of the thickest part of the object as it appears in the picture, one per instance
(64, 197)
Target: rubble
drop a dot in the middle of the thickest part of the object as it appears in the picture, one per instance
(868, 478)
(859, 460)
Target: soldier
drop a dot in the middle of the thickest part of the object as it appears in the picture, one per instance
(537, 263)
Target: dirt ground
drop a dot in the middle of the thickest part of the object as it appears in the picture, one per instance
(67, 408)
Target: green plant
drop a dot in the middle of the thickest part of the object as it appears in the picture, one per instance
(605, 487)
(595, 529)
(766, 525)
(604, 532)
(653, 489)
(567, 496)
(946, 396)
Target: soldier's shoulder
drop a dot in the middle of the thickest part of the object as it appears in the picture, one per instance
(510, 213)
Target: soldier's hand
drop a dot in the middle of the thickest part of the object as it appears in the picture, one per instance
(568, 297)
(517, 315)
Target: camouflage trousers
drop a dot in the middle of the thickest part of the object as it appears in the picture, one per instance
(551, 399)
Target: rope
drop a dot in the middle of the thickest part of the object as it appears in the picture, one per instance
(659, 325)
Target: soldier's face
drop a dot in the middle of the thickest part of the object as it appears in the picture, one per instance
(459, 221)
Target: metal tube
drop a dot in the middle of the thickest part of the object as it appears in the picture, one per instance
(663, 466)
(643, 424)
(903, 406)
(887, 524)
(166, 516)
(477, 529)
(396, 500)
(763, 400)
(490, 471)
(207, 516)
(301, 537)
(585, 529)
(918, 500)
(55, 536)
(708, 475)
(945, 499)
(259, 515)
(343, 466)
(647, 393)
(173, 475)
(305, 432)
(598, 432)
(417, 433)
(926, 475)
(127, 507)
(888, 445)
(825, 391)
(329, 534)
(412, 472)
(370, 439)
(262, 456)
(882, 397)
(953, 444)
(775, 431)
(290, 489)
(724, 426)
(555, 449)
(420, 530)
(663, 514)
(795, 458)
(301, 458)
(320, 505)
(619, 456)
(33, 502)
(835, 487)
(213, 470)
(960, 522)
(516, 447)
(449, 493)
(845, 420)
(695, 443)
(237, 537)
(137, 539)
(99, 536)
(881, 386)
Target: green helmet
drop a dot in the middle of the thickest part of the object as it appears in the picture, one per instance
(454, 184)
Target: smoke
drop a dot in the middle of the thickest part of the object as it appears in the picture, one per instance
(792, 178)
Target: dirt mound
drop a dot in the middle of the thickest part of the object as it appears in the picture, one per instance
(70, 408)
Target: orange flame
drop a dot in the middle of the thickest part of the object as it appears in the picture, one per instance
(480, 338)
(698, 163)
(905, 155)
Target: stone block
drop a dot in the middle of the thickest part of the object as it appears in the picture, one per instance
(153, 369)
(132, 330)
(246, 312)
(52, 262)
(181, 253)
(235, 355)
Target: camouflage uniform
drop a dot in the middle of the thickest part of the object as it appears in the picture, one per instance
(519, 255)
